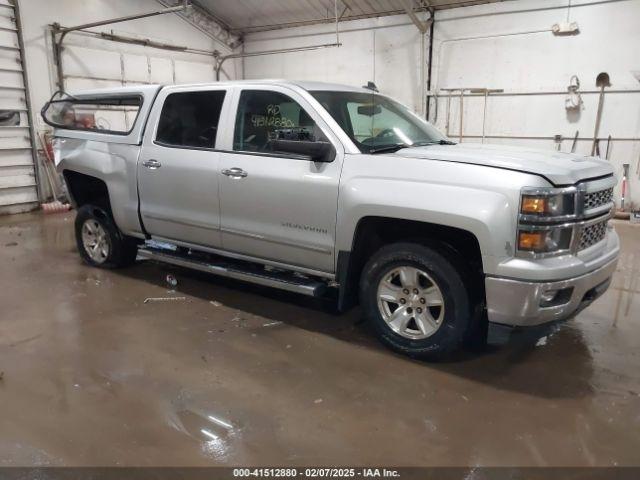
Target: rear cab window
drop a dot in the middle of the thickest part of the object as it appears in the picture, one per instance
(190, 119)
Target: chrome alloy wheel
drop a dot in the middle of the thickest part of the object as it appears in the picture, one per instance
(410, 302)
(95, 241)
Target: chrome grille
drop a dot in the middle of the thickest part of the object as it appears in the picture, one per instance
(598, 199)
(592, 234)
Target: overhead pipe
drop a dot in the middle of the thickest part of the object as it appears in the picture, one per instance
(220, 59)
(479, 91)
(145, 42)
(423, 28)
(423, 80)
(430, 71)
(127, 18)
(59, 33)
(223, 58)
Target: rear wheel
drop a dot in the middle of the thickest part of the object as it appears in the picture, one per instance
(100, 242)
(415, 299)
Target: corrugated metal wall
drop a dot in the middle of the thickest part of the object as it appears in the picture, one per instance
(17, 172)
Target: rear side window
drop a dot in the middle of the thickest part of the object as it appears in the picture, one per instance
(190, 119)
(113, 115)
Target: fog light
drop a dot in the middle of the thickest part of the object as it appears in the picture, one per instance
(548, 296)
(554, 297)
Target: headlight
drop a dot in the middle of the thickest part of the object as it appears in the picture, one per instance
(549, 240)
(542, 227)
(547, 203)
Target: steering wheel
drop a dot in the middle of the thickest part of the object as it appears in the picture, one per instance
(387, 132)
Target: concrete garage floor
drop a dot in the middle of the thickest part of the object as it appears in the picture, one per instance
(238, 375)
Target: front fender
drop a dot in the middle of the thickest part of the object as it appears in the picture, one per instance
(488, 215)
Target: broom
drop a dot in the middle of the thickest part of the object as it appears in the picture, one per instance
(56, 205)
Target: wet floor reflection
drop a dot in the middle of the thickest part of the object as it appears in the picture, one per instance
(215, 436)
(237, 374)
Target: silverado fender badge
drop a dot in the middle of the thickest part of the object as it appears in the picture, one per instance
(306, 228)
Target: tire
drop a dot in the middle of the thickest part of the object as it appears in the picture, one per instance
(111, 249)
(429, 324)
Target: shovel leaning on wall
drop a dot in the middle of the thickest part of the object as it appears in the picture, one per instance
(602, 81)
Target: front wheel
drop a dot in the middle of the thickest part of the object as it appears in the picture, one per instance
(100, 242)
(415, 299)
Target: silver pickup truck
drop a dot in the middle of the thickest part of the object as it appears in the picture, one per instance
(326, 189)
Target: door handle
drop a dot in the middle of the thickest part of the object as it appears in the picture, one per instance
(234, 172)
(152, 164)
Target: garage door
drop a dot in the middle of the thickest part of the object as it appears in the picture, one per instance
(102, 63)
(17, 176)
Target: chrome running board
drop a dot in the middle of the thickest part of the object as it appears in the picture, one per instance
(239, 271)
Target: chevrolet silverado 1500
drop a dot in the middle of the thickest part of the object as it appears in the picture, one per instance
(317, 188)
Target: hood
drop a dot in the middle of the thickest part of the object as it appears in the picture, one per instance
(559, 168)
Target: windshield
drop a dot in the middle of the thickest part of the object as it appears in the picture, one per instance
(377, 123)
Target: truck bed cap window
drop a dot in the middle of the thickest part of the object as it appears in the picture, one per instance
(106, 114)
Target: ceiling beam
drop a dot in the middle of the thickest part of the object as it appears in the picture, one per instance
(347, 7)
(207, 22)
(409, 6)
(215, 17)
(319, 21)
(349, 14)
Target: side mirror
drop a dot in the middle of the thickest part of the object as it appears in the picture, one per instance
(316, 151)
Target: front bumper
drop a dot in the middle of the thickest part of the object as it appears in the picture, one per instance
(518, 303)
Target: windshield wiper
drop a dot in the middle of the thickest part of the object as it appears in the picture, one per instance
(397, 146)
(389, 148)
(438, 142)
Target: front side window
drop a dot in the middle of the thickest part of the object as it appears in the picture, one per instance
(190, 119)
(265, 116)
(374, 122)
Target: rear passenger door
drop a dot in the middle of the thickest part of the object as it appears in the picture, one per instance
(178, 166)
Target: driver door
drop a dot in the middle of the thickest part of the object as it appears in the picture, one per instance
(277, 206)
